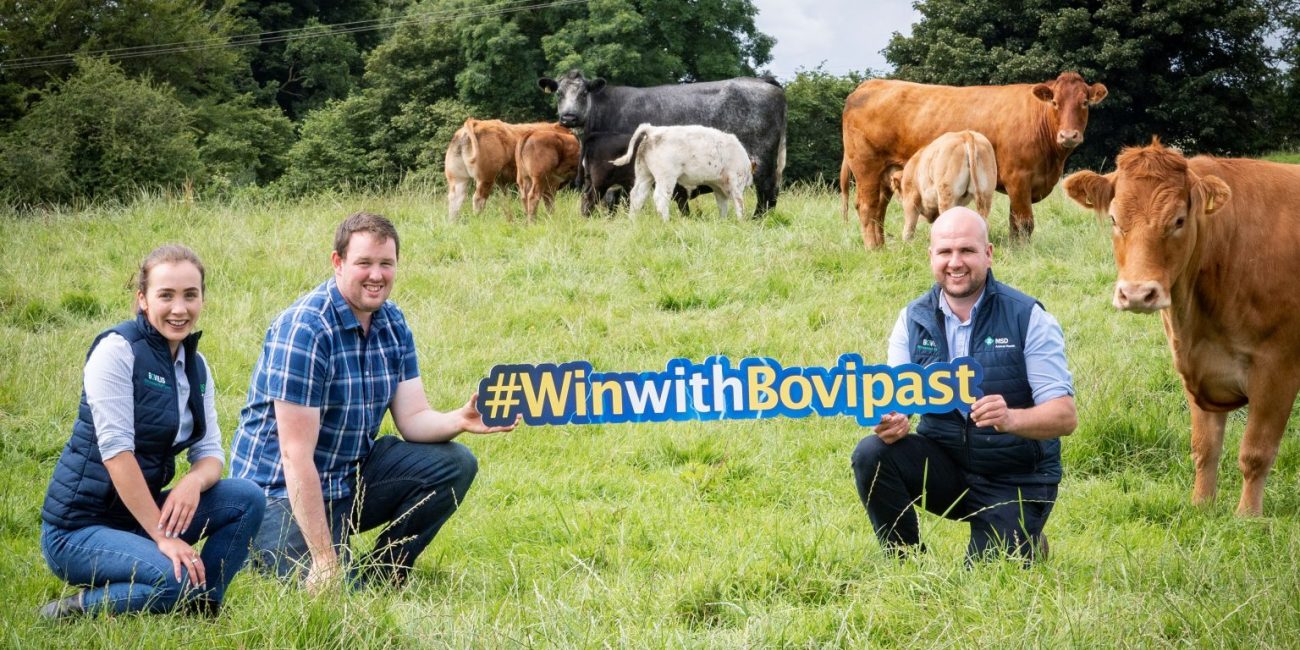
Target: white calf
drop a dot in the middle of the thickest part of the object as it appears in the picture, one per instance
(689, 156)
(955, 169)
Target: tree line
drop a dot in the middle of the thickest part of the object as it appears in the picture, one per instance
(99, 99)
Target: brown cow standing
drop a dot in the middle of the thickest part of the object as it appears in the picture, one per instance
(1211, 243)
(484, 151)
(545, 160)
(955, 169)
(1033, 128)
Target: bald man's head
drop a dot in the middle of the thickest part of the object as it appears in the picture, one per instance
(960, 254)
(960, 221)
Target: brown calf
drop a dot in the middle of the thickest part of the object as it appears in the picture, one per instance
(545, 160)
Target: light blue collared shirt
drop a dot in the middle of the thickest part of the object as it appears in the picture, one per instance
(1044, 348)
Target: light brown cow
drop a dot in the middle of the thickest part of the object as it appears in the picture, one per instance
(1033, 128)
(955, 169)
(1211, 244)
(484, 151)
(545, 160)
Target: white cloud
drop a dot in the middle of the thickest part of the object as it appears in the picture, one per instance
(845, 34)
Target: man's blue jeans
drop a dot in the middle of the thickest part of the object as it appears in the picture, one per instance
(413, 488)
(124, 570)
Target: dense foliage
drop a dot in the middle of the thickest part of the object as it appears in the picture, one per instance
(99, 134)
(814, 144)
(307, 95)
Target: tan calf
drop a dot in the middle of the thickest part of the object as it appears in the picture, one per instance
(545, 160)
(955, 169)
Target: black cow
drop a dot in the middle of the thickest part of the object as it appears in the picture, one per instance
(601, 175)
(751, 109)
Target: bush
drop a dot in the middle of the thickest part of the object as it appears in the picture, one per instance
(333, 148)
(347, 144)
(241, 144)
(98, 135)
(814, 103)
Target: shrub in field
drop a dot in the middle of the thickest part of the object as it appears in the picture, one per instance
(98, 134)
(814, 101)
(339, 146)
(332, 148)
(242, 144)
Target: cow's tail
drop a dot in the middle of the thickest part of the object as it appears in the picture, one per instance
(472, 158)
(968, 139)
(844, 188)
(640, 134)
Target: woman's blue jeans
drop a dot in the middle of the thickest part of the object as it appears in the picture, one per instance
(123, 570)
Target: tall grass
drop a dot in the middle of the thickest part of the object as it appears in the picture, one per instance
(692, 534)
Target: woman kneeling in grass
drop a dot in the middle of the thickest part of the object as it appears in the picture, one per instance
(147, 395)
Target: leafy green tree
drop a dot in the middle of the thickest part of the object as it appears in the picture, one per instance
(814, 146)
(1195, 72)
(44, 29)
(241, 144)
(489, 64)
(99, 134)
(301, 74)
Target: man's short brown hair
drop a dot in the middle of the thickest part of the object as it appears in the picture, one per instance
(377, 225)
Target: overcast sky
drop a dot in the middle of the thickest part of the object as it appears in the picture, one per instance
(846, 34)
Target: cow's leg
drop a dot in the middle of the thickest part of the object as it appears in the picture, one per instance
(911, 212)
(589, 197)
(738, 198)
(1272, 393)
(663, 196)
(457, 192)
(640, 190)
(871, 209)
(549, 188)
(1022, 211)
(721, 199)
(683, 200)
(482, 189)
(765, 188)
(1207, 448)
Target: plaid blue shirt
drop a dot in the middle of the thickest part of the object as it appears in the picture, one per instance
(316, 354)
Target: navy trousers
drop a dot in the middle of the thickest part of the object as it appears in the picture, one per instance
(915, 472)
(410, 488)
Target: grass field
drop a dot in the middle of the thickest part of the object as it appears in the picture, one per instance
(673, 535)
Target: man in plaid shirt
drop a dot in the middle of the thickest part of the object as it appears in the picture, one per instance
(332, 364)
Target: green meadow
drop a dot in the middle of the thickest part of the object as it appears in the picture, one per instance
(720, 534)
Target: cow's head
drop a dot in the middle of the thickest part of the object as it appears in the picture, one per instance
(1156, 206)
(572, 96)
(1070, 97)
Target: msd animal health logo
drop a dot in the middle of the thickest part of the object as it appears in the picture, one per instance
(754, 388)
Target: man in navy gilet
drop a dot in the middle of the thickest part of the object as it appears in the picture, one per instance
(997, 467)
